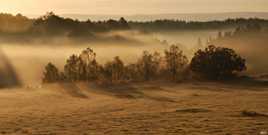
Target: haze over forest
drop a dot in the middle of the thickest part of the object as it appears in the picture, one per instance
(170, 16)
(120, 67)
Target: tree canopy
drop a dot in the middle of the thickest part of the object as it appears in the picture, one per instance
(217, 62)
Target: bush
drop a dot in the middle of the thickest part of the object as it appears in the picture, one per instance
(217, 63)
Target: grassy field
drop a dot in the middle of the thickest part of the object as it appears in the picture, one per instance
(153, 108)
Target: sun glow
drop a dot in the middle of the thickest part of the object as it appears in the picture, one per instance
(131, 6)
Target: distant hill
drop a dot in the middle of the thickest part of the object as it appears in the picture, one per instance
(187, 16)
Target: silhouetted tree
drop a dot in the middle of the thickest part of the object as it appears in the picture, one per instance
(148, 65)
(175, 61)
(123, 23)
(51, 74)
(114, 71)
(217, 62)
(88, 68)
(71, 69)
(132, 72)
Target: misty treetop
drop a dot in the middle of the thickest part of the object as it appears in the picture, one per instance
(211, 63)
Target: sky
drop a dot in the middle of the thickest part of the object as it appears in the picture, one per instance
(131, 6)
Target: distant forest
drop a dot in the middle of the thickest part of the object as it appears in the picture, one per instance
(19, 27)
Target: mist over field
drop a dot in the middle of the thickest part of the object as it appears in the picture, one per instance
(36, 55)
(25, 57)
(60, 76)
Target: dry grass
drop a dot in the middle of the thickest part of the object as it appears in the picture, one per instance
(68, 109)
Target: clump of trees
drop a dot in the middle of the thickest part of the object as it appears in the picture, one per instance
(52, 24)
(14, 23)
(217, 63)
(150, 66)
(212, 63)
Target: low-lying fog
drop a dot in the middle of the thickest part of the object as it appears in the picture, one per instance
(28, 61)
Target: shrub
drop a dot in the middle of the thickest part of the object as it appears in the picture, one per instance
(217, 62)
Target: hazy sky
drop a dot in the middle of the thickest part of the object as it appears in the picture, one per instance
(131, 6)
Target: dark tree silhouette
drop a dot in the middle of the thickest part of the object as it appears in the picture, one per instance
(88, 67)
(114, 71)
(123, 23)
(148, 65)
(71, 69)
(217, 62)
(51, 74)
(132, 72)
(175, 61)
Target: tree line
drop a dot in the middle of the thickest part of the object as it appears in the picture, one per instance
(21, 28)
(213, 62)
(173, 25)
(51, 24)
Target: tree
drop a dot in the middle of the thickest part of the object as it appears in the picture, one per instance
(88, 67)
(132, 72)
(51, 74)
(71, 69)
(148, 65)
(123, 23)
(217, 62)
(114, 71)
(175, 61)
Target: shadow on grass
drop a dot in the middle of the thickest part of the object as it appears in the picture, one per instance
(73, 90)
(129, 91)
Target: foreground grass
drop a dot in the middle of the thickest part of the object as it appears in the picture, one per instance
(154, 108)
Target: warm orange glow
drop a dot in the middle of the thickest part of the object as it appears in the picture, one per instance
(131, 6)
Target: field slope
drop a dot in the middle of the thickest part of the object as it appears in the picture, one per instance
(87, 109)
